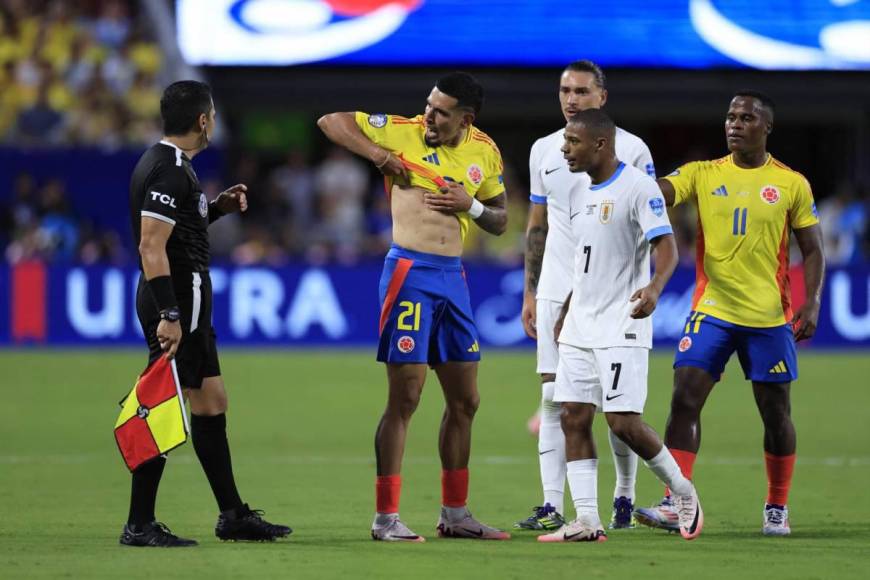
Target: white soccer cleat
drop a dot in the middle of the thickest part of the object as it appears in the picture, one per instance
(690, 514)
(468, 527)
(775, 520)
(663, 516)
(394, 531)
(576, 531)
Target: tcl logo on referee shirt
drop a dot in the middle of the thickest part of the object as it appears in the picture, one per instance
(163, 198)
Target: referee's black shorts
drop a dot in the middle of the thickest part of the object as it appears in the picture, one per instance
(197, 356)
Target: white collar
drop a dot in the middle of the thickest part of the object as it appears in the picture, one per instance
(178, 151)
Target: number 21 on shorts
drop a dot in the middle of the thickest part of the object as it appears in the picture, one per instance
(409, 310)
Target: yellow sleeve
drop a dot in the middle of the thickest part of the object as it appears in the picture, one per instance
(382, 129)
(493, 182)
(684, 182)
(803, 213)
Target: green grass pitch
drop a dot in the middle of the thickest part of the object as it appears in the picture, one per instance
(301, 427)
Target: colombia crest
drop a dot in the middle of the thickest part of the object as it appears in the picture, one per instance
(770, 194)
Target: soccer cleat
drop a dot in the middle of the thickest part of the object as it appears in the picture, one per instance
(775, 520)
(622, 514)
(663, 516)
(690, 514)
(247, 525)
(543, 517)
(576, 531)
(467, 527)
(394, 531)
(154, 535)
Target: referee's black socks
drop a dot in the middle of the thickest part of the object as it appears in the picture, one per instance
(143, 494)
(213, 450)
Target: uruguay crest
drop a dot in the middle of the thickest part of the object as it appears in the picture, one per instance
(606, 212)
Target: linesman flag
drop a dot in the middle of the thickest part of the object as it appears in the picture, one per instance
(152, 419)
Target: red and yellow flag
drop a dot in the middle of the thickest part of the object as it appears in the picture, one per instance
(152, 419)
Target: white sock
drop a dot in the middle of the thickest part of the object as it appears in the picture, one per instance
(583, 481)
(551, 451)
(625, 461)
(384, 519)
(666, 469)
(454, 514)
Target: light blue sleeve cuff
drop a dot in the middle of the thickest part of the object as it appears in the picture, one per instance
(539, 199)
(658, 232)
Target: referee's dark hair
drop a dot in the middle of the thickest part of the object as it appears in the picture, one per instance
(596, 122)
(181, 105)
(464, 88)
(589, 67)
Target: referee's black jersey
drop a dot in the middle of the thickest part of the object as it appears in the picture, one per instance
(165, 187)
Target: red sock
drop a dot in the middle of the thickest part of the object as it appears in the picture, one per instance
(779, 471)
(388, 488)
(686, 461)
(454, 487)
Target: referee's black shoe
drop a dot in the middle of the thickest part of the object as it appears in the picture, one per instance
(155, 535)
(245, 524)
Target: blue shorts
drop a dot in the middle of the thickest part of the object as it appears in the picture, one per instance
(767, 355)
(425, 310)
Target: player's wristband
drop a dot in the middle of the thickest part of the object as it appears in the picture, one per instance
(214, 212)
(476, 209)
(162, 291)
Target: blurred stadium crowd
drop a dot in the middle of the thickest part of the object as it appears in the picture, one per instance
(88, 74)
(77, 73)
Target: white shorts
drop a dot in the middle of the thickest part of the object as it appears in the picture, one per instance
(546, 314)
(612, 379)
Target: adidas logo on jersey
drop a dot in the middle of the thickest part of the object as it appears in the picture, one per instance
(720, 191)
(474, 347)
(433, 159)
(779, 369)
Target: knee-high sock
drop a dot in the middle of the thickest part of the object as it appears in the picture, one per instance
(143, 493)
(213, 450)
(388, 490)
(625, 461)
(686, 461)
(666, 469)
(454, 487)
(583, 481)
(551, 450)
(779, 471)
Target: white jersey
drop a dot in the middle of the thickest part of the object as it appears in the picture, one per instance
(552, 184)
(613, 223)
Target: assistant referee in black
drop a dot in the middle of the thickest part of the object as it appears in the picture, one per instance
(170, 217)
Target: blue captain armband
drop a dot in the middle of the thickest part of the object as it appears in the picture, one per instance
(539, 199)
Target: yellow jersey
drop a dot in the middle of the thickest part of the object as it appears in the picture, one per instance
(475, 163)
(744, 218)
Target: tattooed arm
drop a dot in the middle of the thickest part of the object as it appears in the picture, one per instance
(494, 217)
(536, 239)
